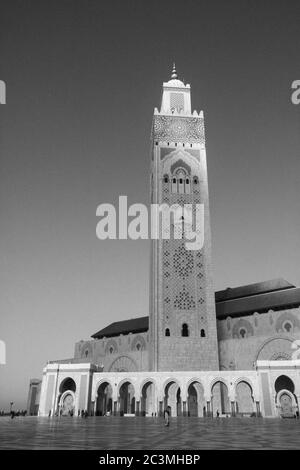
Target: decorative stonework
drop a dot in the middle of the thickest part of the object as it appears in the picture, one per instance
(242, 325)
(123, 364)
(286, 323)
(184, 300)
(275, 349)
(178, 129)
(183, 262)
(180, 164)
(138, 344)
(111, 347)
(86, 350)
(280, 356)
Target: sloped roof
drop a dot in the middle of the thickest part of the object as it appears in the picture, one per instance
(134, 325)
(238, 301)
(260, 303)
(252, 289)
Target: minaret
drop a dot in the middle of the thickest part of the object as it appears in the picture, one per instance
(182, 326)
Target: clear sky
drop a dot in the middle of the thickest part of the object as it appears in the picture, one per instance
(82, 80)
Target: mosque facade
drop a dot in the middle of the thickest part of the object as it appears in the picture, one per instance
(199, 352)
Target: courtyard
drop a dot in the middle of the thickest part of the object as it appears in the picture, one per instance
(102, 433)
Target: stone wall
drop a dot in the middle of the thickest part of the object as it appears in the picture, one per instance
(267, 336)
(120, 353)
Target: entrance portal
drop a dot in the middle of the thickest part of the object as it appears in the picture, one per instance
(172, 398)
(127, 399)
(104, 399)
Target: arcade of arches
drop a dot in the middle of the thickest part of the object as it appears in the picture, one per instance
(273, 389)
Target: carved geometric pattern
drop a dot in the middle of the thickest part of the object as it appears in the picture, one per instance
(280, 356)
(184, 301)
(276, 348)
(183, 262)
(178, 129)
(180, 164)
(123, 364)
(177, 101)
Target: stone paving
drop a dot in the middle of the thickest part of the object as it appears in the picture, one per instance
(103, 433)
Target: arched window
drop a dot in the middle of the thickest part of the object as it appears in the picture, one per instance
(185, 330)
(86, 353)
(243, 332)
(111, 350)
(167, 332)
(174, 184)
(187, 181)
(287, 326)
(195, 180)
(138, 346)
(166, 179)
(202, 333)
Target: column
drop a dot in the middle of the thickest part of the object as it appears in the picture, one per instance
(115, 408)
(137, 408)
(208, 408)
(160, 410)
(258, 413)
(184, 408)
(233, 410)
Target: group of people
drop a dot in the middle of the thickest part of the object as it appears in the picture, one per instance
(83, 413)
(13, 414)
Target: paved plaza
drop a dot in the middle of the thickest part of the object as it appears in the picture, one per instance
(103, 433)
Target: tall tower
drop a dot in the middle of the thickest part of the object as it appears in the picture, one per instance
(182, 326)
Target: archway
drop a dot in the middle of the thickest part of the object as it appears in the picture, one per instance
(66, 398)
(220, 399)
(286, 404)
(172, 398)
(244, 398)
(285, 398)
(104, 403)
(147, 399)
(127, 398)
(67, 384)
(283, 382)
(196, 400)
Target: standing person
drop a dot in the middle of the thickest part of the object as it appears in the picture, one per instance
(167, 416)
(218, 414)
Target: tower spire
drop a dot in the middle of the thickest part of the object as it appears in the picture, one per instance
(174, 73)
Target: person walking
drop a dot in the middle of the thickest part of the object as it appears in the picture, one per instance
(167, 416)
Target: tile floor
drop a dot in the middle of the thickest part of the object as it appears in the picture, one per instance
(103, 433)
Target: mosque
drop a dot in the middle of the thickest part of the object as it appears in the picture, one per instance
(234, 351)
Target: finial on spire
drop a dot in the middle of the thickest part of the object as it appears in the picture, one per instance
(174, 73)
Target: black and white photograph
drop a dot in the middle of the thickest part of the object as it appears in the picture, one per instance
(150, 230)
